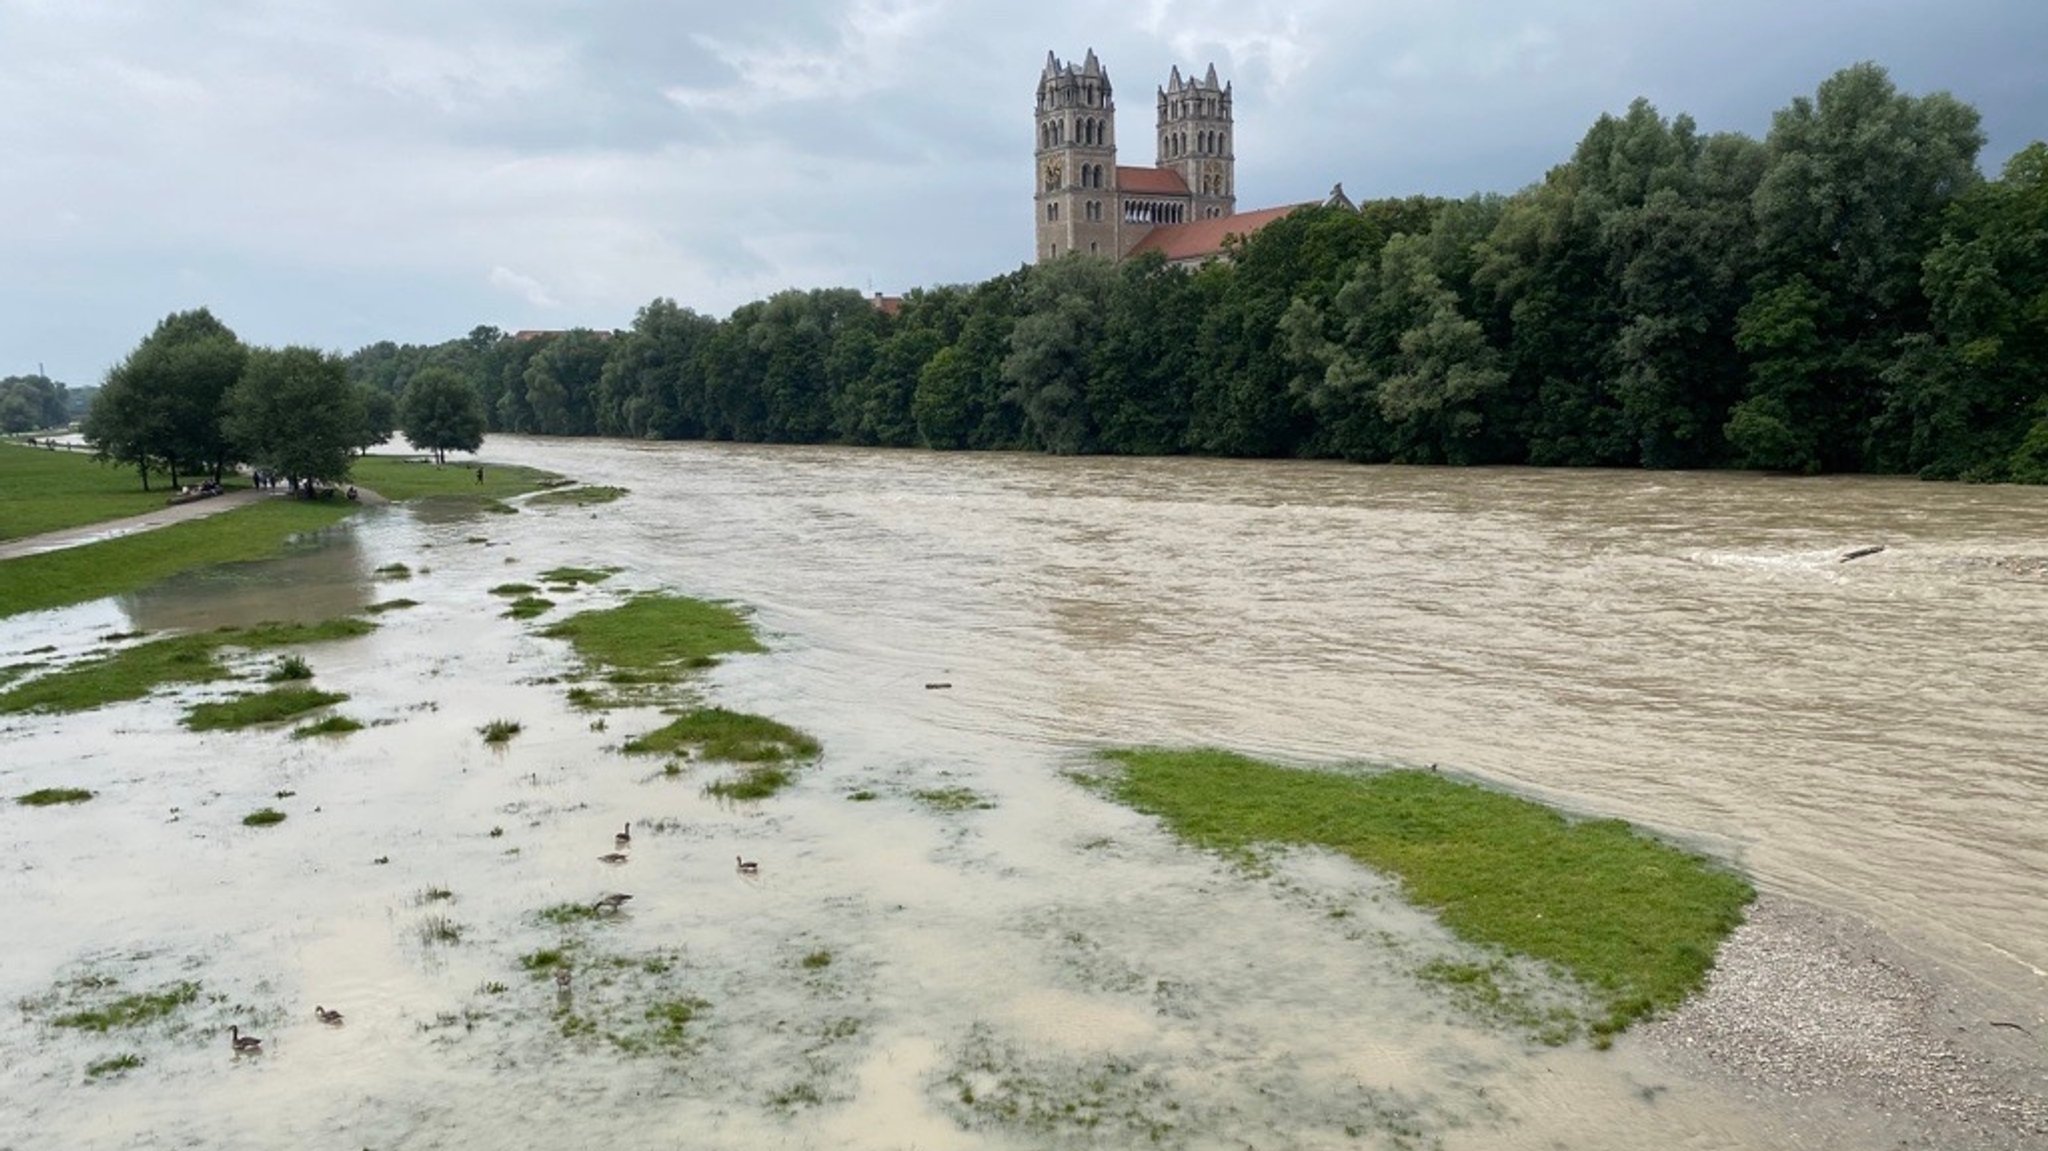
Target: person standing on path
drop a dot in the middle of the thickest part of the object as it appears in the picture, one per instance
(479, 475)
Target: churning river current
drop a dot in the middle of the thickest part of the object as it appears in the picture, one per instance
(1684, 651)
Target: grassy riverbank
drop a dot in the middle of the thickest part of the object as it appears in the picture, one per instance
(410, 478)
(134, 672)
(47, 491)
(1633, 920)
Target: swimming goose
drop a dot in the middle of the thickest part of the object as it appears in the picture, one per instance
(326, 1016)
(242, 1043)
(625, 836)
(610, 902)
(747, 866)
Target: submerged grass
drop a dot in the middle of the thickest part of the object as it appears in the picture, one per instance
(289, 668)
(51, 796)
(274, 706)
(114, 1065)
(134, 672)
(953, 799)
(391, 605)
(575, 576)
(94, 571)
(730, 736)
(585, 496)
(1637, 922)
(332, 725)
(500, 730)
(656, 635)
(267, 817)
(528, 606)
(514, 589)
(134, 1010)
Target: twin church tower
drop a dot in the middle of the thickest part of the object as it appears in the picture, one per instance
(1182, 206)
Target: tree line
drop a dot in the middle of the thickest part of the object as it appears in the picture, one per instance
(192, 400)
(1847, 294)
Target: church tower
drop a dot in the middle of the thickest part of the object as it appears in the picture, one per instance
(1196, 140)
(1076, 160)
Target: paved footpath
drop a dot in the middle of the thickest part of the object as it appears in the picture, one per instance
(115, 529)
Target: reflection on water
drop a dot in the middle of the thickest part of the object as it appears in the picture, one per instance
(1679, 650)
(322, 577)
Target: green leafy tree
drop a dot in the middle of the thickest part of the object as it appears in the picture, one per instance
(294, 412)
(380, 417)
(160, 408)
(28, 403)
(441, 412)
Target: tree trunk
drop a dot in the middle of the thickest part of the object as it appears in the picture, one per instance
(143, 470)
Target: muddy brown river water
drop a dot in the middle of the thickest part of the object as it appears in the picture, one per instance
(1047, 970)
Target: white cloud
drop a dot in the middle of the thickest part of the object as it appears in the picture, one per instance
(524, 286)
(872, 50)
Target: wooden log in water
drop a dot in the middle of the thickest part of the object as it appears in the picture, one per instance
(1859, 553)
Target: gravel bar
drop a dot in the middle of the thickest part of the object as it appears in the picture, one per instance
(1806, 1005)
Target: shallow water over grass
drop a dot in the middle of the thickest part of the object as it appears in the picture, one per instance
(1039, 968)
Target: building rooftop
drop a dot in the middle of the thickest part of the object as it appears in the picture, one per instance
(1150, 181)
(1198, 238)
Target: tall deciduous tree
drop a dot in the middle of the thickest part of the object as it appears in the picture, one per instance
(441, 412)
(294, 412)
(161, 407)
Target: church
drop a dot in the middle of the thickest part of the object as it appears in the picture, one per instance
(1184, 206)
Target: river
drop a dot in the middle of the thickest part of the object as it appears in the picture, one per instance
(1685, 651)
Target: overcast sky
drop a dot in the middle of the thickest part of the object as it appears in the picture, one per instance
(334, 172)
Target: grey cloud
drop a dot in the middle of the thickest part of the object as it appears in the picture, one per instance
(336, 171)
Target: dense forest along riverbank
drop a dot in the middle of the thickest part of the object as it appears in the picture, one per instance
(949, 941)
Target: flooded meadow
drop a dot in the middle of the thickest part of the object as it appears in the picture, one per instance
(949, 940)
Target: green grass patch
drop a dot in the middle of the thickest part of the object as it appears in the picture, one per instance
(514, 589)
(94, 571)
(331, 725)
(45, 491)
(817, 960)
(115, 1065)
(391, 605)
(1635, 921)
(274, 706)
(547, 959)
(729, 736)
(528, 606)
(396, 478)
(393, 571)
(563, 914)
(289, 668)
(136, 1010)
(117, 677)
(757, 782)
(953, 799)
(500, 730)
(52, 796)
(656, 635)
(267, 817)
(574, 577)
(587, 495)
(270, 635)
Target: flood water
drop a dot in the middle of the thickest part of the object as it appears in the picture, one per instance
(1048, 970)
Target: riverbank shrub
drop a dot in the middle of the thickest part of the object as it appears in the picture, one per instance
(1634, 920)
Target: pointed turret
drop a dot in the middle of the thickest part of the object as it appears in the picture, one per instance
(1209, 81)
(1052, 63)
(1091, 66)
(1173, 83)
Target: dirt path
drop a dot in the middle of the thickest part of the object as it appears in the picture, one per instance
(115, 529)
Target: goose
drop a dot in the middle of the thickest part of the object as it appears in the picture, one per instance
(325, 1016)
(562, 978)
(613, 857)
(747, 866)
(242, 1043)
(610, 902)
(625, 836)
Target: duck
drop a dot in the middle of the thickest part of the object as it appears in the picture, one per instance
(562, 978)
(625, 836)
(747, 866)
(612, 902)
(331, 1018)
(613, 857)
(242, 1043)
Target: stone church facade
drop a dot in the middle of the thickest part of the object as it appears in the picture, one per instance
(1184, 206)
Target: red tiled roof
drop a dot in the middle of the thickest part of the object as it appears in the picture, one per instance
(1150, 181)
(1199, 238)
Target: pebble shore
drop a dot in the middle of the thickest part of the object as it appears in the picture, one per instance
(1806, 1009)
